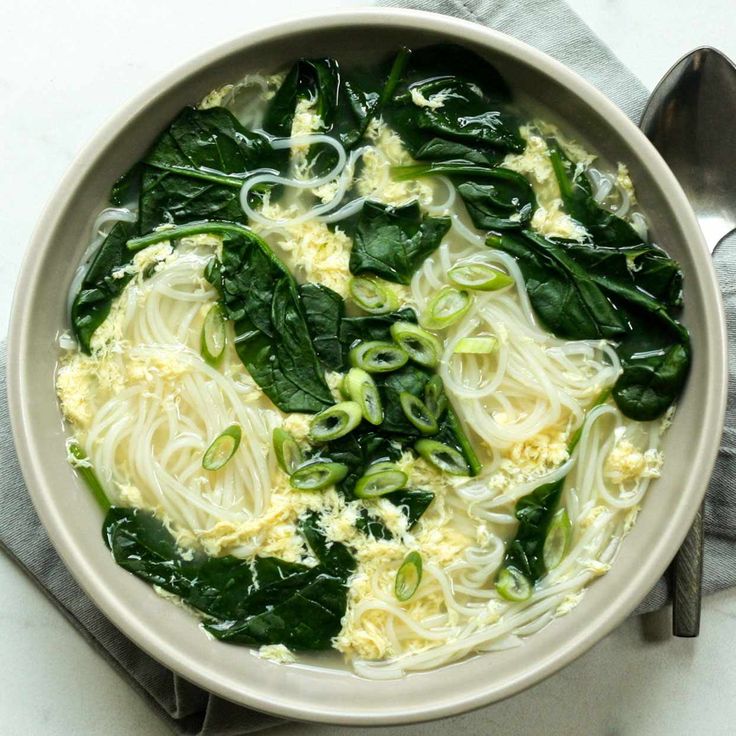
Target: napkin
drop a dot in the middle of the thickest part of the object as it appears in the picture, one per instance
(552, 27)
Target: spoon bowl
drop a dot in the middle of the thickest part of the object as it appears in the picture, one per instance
(690, 119)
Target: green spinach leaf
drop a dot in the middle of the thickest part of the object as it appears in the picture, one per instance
(604, 227)
(195, 169)
(99, 287)
(334, 556)
(372, 526)
(469, 94)
(374, 327)
(358, 450)
(412, 503)
(440, 149)
(496, 198)
(506, 203)
(628, 294)
(651, 382)
(259, 601)
(561, 291)
(392, 242)
(451, 61)
(272, 338)
(534, 513)
(644, 267)
(411, 379)
(324, 310)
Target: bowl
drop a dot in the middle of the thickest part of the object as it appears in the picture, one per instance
(311, 692)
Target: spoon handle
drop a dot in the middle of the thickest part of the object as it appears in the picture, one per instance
(688, 577)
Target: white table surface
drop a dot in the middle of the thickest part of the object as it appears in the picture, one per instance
(66, 66)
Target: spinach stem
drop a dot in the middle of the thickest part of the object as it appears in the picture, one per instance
(220, 227)
(78, 457)
(216, 177)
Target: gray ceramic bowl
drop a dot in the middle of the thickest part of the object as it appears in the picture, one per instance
(318, 693)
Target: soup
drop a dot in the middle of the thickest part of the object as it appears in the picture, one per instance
(371, 361)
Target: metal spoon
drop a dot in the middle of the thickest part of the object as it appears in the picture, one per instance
(691, 120)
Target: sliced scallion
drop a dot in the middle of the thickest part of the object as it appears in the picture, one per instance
(453, 422)
(446, 307)
(80, 462)
(435, 398)
(318, 475)
(376, 356)
(380, 466)
(361, 388)
(513, 585)
(483, 345)
(213, 337)
(442, 456)
(288, 454)
(223, 447)
(557, 540)
(335, 421)
(372, 296)
(408, 576)
(479, 276)
(417, 412)
(379, 482)
(421, 346)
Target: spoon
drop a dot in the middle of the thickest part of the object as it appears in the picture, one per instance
(691, 120)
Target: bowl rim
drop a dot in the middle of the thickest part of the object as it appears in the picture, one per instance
(279, 703)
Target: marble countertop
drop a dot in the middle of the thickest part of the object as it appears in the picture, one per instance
(65, 68)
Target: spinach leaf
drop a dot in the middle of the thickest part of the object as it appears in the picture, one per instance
(374, 327)
(358, 450)
(324, 310)
(345, 103)
(604, 227)
(496, 198)
(272, 338)
(411, 379)
(561, 291)
(195, 169)
(466, 116)
(451, 433)
(628, 294)
(334, 556)
(392, 242)
(259, 601)
(651, 382)
(508, 202)
(645, 267)
(439, 149)
(99, 287)
(450, 61)
(307, 620)
(412, 503)
(248, 276)
(471, 93)
(372, 526)
(316, 80)
(534, 513)
(655, 354)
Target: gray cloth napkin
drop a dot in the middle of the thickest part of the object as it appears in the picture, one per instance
(552, 27)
